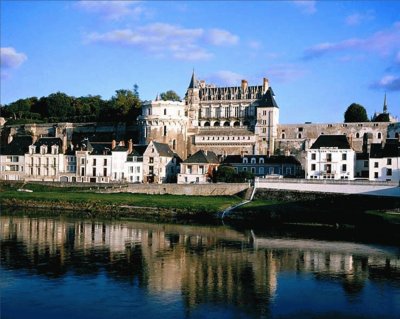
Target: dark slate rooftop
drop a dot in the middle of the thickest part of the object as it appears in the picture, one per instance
(163, 149)
(268, 99)
(202, 157)
(138, 150)
(339, 141)
(49, 142)
(18, 146)
(362, 156)
(275, 159)
(390, 149)
(99, 148)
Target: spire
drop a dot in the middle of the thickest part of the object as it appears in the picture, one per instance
(158, 97)
(193, 82)
(385, 105)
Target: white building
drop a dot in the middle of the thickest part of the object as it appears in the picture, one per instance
(384, 162)
(330, 157)
(45, 160)
(160, 164)
(12, 158)
(198, 168)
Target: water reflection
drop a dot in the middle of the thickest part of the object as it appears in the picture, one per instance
(205, 265)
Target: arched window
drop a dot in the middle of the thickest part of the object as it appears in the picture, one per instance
(299, 135)
(165, 111)
(227, 124)
(245, 161)
(253, 160)
(236, 124)
(357, 135)
(173, 144)
(216, 124)
(261, 160)
(283, 135)
(165, 131)
(379, 135)
(207, 124)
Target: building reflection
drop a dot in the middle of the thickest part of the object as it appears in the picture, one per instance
(214, 265)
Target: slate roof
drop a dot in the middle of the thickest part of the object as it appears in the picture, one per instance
(99, 148)
(339, 141)
(362, 156)
(391, 149)
(275, 159)
(138, 150)
(18, 146)
(49, 142)
(163, 149)
(268, 99)
(201, 157)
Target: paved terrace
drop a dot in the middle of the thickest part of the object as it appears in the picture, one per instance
(331, 186)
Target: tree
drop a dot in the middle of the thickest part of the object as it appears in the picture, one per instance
(124, 104)
(170, 96)
(19, 108)
(227, 174)
(383, 117)
(355, 113)
(59, 105)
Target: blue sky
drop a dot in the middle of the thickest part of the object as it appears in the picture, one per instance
(320, 56)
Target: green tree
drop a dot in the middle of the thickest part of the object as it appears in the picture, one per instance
(20, 108)
(170, 96)
(124, 104)
(59, 106)
(355, 113)
(383, 117)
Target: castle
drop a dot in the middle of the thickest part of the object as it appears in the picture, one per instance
(243, 120)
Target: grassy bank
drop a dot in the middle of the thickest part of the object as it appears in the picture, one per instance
(113, 204)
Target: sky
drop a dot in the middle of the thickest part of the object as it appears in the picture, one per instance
(319, 56)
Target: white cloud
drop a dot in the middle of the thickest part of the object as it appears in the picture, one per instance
(112, 10)
(224, 77)
(358, 18)
(221, 37)
(166, 40)
(388, 82)
(255, 45)
(10, 58)
(306, 6)
(383, 43)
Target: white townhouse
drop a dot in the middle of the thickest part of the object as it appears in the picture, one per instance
(134, 164)
(45, 160)
(198, 168)
(384, 161)
(12, 158)
(330, 157)
(160, 164)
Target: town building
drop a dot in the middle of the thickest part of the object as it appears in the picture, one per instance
(330, 157)
(12, 158)
(198, 168)
(384, 162)
(160, 164)
(265, 166)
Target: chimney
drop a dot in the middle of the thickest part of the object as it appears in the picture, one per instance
(244, 85)
(113, 144)
(265, 85)
(130, 146)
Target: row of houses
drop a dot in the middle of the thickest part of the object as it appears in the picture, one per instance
(49, 159)
(332, 157)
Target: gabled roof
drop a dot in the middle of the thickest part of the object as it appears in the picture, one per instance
(268, 99)
(391, 149)
(99, 148)
(163, 149)
(138, 150)
(48, 142)
(18, 146)
(193, 82)
(339, 141)
(275, 159)
(201, 157)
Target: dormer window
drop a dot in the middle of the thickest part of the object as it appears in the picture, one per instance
(43, 149)
(245, 161)
(261, 160)
(253, 160)
(54, 150)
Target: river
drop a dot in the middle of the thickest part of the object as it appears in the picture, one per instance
(54, 267)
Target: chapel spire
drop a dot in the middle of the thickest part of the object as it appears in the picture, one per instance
(193, 82)
(385, 105)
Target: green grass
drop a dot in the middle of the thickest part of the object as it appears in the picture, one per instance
(392, 217)
(74, 195)
(258, 204)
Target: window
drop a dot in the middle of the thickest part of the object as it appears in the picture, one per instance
(344, 168)
(344, 157)
(299, 135)
(313, 156)
(365, 163)
(300, 129)
(261, 170)
(313, 167)
(94, 162)
(189, 169)
(357, 135)
(151, 159)
(253, 170)
(82, 162)
(261, 160)
(389, 172)
(283, 135)
(165, 131)
(245, 161)
(376, 175)
(201, 169)
(329, 157)
(376, 164)
(105, 162)
(379, 135)
(94, 171)
(253, 160)
(165, 111)
(389, 161)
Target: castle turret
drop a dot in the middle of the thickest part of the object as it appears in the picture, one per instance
(385, 105)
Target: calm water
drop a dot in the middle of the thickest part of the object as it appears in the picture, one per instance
(63, 268)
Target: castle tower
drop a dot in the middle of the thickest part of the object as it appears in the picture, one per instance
(267, 112)
(192, 100)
